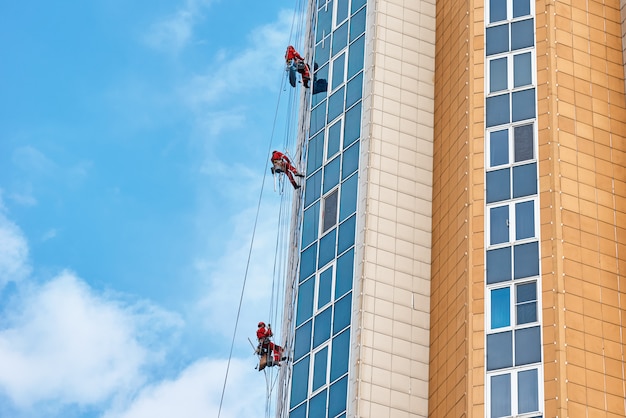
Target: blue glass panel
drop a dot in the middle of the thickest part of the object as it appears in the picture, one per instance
(350, 162)
(524, 143)
(499, 350)
(522, 34)
(334, 139)
(320, 84)
(497, 39)
(498, 110)
(499, 147)
(315, 153)
(356, 4)
(347, 204)
(322, 52)
(320, 366)
(299, 412)
(524, 220)
(324, 21)
(346, 235)
(527, 346)
(324, 293)
(317, 405)
(321, 329)
(313, 188)
(331, 174)
(305, 301)
(356, 55)
(498, 185)
(526, 292)
(300, 382)
(497, 10)
(500, 396)
(352, 126)
(498, 78)
(499, 225)
(342, 11)
(335, 104)
(526, 303)
(308, 262)
(526, 260)
(342, 313)
(525, 180)
(500, 308)
(498, 265)
(522, 75)
(337, 397)
(318, 118)
(340, 38)
(357, 25)
(527, 313)
(344, 275)
(310, 224)
(339, 68)
(328, 244)
(527, 391)
(521, 8)
(354, 91)
(340, 355)
(523, 105)
(302, 344)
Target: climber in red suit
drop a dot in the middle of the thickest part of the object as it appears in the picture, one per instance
(282, 164)
(292, 57)
(264, 334)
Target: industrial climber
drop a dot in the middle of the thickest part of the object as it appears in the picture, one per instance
(271, 354)
(295, 62)
(282, 164)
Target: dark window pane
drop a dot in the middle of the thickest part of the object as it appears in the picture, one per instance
(310, 224)
(354, 90)
(335, 104)
(524, 220)
(498, 265)
(342, 11)
(322, 52)
(497, 10)
(500, 308)
(526, 297)
(328, 244)
(324, 21)
(346, 234)
(357, 25)
(340, 354)
(324, 293)
(317, 405)
(308, 261)
(498, 185)
(501, 396)
(339, 67)
(313, 188)
(526, 292)
(321, 329)
(522, 34)
(527, 346)
(526, 313)
(334, 139)
(343, 277)
(342, 313)
(525, 180)
(318, 118)
(350, 161)
(499, 147)
(316, 153)
(499, 225)
(329, 218)
(356, 4)
(352, 125)
(497, 75)
(331, 175)
(340, 39)
(499, 350)
(521, 8)
(523, 138)
(320, 366)
(302, 344)
(300, 382)
(320, 84)
(498, 110)
(356, 54)
(523, 105)
(497, 39)
(299, 412)
(527, 391)
(305, 301)
(522, 70)
(348, 197)
(337, 397)
(526, 259)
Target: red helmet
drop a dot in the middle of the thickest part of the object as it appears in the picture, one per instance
(261, 324)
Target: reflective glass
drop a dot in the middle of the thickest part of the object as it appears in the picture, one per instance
(522, 70)
(299, 412)
(337, 397)
(522, 34)
(347, 204)
(356, 4)
(317, 405)
(324, 21)
(302, 344)
(497, 10)
(308, 261)
(523, 105)
(350, 161)
(320, 84)
(340, 39)
(335, 104)
(339, 356)
(526, 259)
(499, 147)
(352, 125)
(498, 185)
(357, 25)
(339, 68)
(342, 11)
(325, 288)
(498, 265)
(526, 313)
(523, 138)
(356, 55)
(500, 308)
(331, 174)
(322, 52)
(524, 220)
(525, 180)
(497, 39)
(328, 244)
(527, 391)
(305, 301)
(321, 329)
(501, 396)
(498, 75)
(526, 301)
(313, 188)
(346, 234)
(320, 366)
(354, 90)
(527, 346)
(343, 276)
(526, 292)
(499, 350)
(499, 225)
(316, 153)
(334, 140)
(300, 382)
(318, 118)
(310, 224)
(342, 313)
(330, 211)
(498, 110)
(521, 8)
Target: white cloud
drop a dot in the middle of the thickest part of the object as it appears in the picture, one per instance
(13, 252)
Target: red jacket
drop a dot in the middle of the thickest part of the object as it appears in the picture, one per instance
(279, 156)
(263, 333)
(292, 53)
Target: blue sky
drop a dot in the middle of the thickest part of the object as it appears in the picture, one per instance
(133, 145)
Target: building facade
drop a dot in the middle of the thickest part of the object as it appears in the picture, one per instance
(461, 234)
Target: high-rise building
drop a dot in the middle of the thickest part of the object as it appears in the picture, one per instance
(461, 239)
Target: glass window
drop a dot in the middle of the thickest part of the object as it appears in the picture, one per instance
(324, 21)
(497, 39)
(343, 276)
(342, 313)
(331, 174)
(321, 329)
(501, 396)
(354, 90)
(356, 5)
(357, 25)
(346, 234)
(329, 219)
(299, 412)
(342, 11)
(499, 350)
(352, 125)
(499, 225)
(525, 180)
(497, 10)
(526, 303)
(310, 224)
(521, 8)
(499, 147)
(527, 346)
(350, 162)
(313, 188)
(317, 405)
(500, 308)
(356, 55)
(498, 110)
(523, 105)
(339, 69)
(339, 356)
(340, 38)
(498, 75)
(302, 344)
(522, 34)
(498, 265)
(525, 220)
(308, 261)
(526, 258)
(305, 301)
(322, 52)
(527, 391)
(300, 382)
(328, 244)
(316, 153)
(498, 185)
(318, 118)
(523, 138)
(334, 140)
(324, 293)
(337, 397)
(347, 205)
(522, 75)
(335, 104)
(320, 367)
